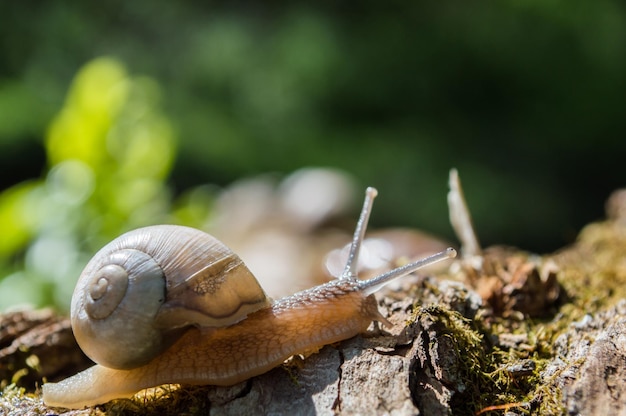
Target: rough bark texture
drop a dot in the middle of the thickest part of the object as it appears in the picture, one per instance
(38, 344)
(589, 366)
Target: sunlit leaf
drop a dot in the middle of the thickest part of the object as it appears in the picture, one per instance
(18, 216)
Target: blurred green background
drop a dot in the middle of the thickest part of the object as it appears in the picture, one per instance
(114, 115)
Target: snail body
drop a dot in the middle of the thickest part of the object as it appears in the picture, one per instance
(249, 337)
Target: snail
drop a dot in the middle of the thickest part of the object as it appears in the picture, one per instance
(173, 305)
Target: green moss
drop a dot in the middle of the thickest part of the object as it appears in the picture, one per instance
(486, 370)
(594, 277)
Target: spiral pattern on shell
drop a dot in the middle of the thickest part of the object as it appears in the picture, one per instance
(106, 290)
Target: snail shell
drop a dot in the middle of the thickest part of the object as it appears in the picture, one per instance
(142, 289)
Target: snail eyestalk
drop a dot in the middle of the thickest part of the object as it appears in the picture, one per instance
(359, 233)
(372, 285)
